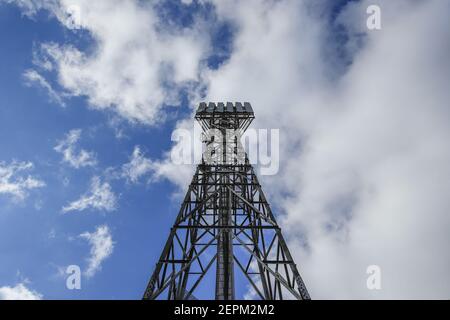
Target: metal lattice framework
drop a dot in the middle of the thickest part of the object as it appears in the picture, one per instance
(225, 224)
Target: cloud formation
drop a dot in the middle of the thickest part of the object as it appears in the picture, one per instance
(363, 118)
(14, 183)
(137, 167)
(140, 166)
(102, 246)
(68, 148)
(19, 292)
(99, 197)
(137, 65)
(32, 77)
(364, 140)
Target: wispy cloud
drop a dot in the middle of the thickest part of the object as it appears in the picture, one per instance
(14, 183)
(100, 197)
(141, 166)
(137, 64)
(32, 77)
(137, 167)
(102, 246)
(76, 158)
(31, 7)
(19, 292)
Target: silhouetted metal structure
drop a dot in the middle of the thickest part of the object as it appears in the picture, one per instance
(225, 223)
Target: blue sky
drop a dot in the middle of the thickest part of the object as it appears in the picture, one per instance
(361, 158)
(37, 239)
(145, 211)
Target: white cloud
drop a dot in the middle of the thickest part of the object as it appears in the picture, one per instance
(31, 7)
(178, 174)
(33, 77)
(102, 246)
(19, 292)
(364, 155)
(138, 166)
(364, 146)
(77, 159)
(100, 197)
(136, 64)
(14, 183)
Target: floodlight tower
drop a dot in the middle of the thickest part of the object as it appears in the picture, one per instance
(225, 223)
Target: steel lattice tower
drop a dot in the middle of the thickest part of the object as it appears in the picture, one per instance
(225, 223)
